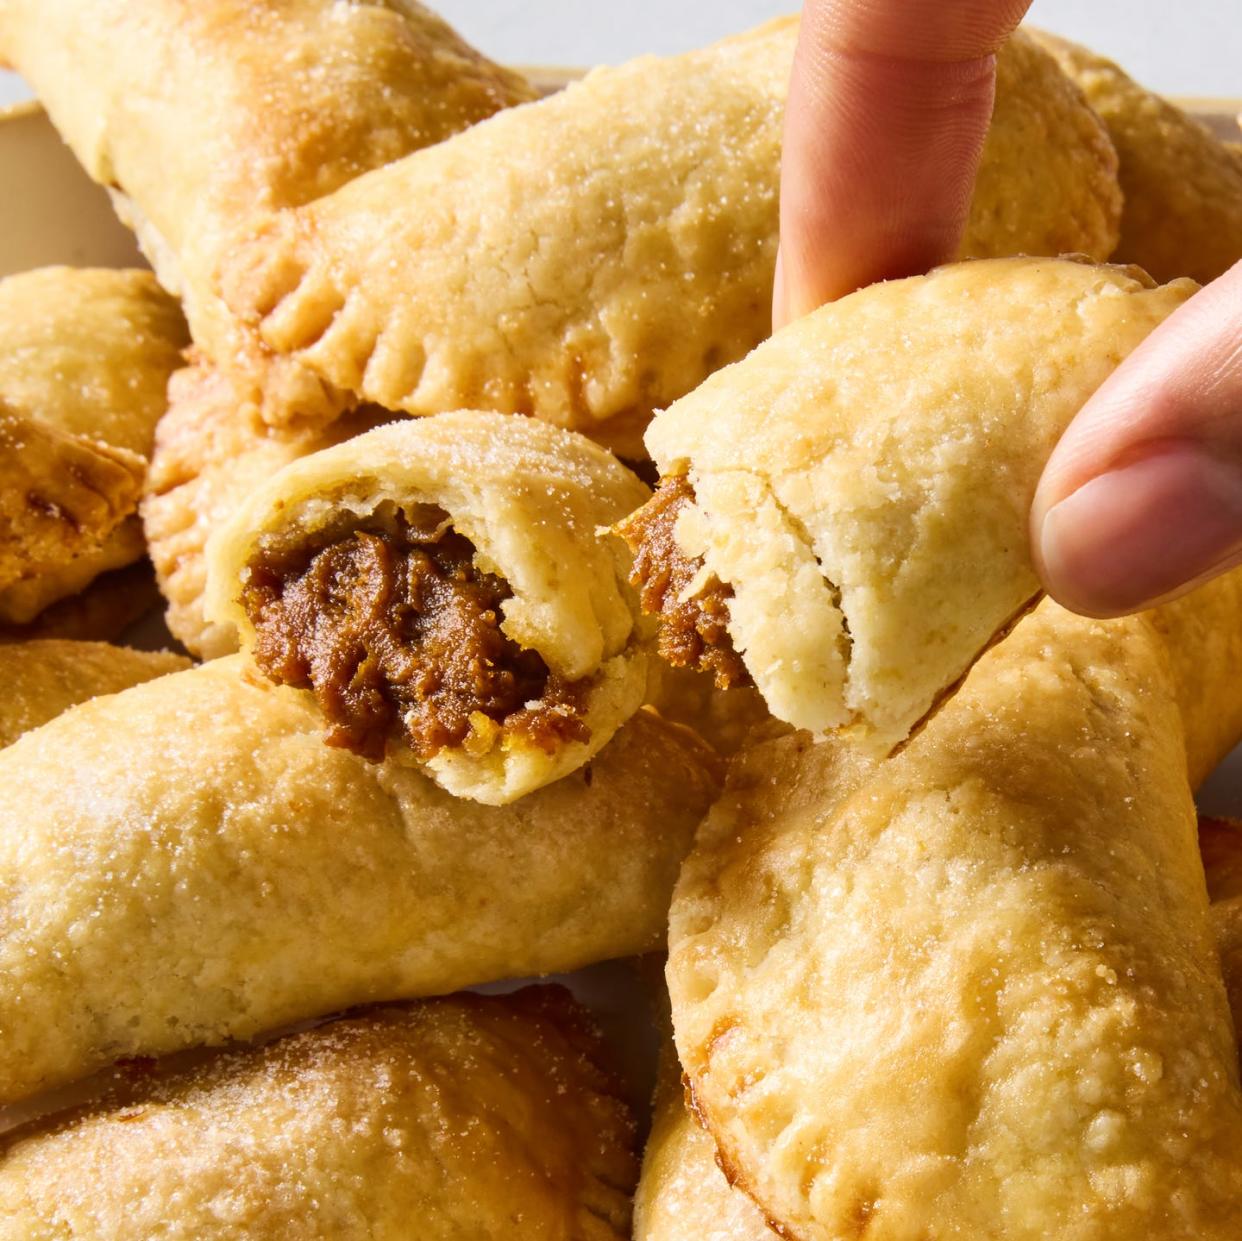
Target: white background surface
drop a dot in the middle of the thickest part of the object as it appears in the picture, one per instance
(1184, 47)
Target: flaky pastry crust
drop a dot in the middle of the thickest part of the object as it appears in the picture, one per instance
(201, 114)
(683, 1195)
(100, 612)
(85, 356)
(1182, 185)
(616, 246)
(469, 1118)
(211, 452)
(862, 482)
(1220, 841)
(977, 981)
(186, 863)
(44, 677)
(532, 500)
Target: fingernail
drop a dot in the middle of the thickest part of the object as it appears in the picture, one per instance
(1143, 531)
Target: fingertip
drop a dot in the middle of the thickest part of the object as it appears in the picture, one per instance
(1142, 532)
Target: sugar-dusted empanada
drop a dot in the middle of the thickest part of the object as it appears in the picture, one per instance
(85, 356)
(186, 863)
(1220, 842)
(843, 517)
(469, 1118)
(102, 612)
(211, 452)
(683, 1195)
(44, 677)
(723, 718)
(614, 246)
(1182, 184)
(974, 991)
(443, 587)
(200, 114)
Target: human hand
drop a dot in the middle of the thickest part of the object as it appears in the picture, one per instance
(1142, 498)
(888, 108)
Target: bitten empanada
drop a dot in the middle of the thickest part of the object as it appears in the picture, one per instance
(211, 452)
(469, 1118)
(85, 356)
(44, 677)
(1182, 185)
(615, 245)
(977, 982)
(443, 587)
(843, 515)
(200, 114)
(186, 863)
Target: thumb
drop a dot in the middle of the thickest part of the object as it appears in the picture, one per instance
(889, 105)
(1142, 498)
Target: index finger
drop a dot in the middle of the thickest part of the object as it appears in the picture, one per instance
(888, 108)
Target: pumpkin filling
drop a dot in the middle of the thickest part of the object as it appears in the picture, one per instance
(693, 627)
(398, 633)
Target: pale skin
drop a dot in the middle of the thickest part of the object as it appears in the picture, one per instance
(888, 107)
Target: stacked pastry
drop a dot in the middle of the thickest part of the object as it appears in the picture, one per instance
(941, 956)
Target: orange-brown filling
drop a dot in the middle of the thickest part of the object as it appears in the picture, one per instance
(694, 630)
(398, 634)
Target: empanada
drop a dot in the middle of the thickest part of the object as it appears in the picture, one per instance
(85, 356)
(615, 244)
(1220, 841)
(683, 1195)
(200, 114)
(723, 718)
(103, 611)
(974, 990)
(211, 452)
(469, 1118)
(843, 516)
(442, 586)
(1182, 185)
(186, 863)
(45, 677)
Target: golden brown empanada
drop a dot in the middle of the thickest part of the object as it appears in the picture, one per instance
(44, 677)
(211, 452)
(976, 987)
(723, 718)
(85, 355)
(844, 513)
(200, 114)
(683, 1195)
(1220, 842)
(103, 612)
(615, 246)
(1182, 185)
(471, 1117)
(442, 586)
(186, 863)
